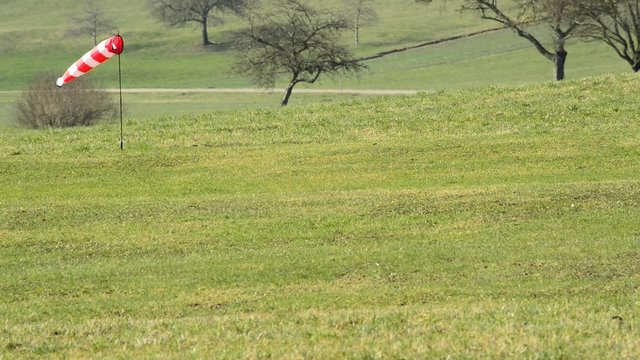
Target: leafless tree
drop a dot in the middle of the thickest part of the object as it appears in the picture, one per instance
(293, 40)
(560, 17)
(201, 12)
(91, 21)
(617, 24)
(362, 13)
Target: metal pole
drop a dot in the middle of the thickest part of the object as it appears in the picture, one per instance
(120, 85)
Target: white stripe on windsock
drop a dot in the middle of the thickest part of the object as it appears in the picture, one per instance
(73, 71)
(89, 60)
(102, 48)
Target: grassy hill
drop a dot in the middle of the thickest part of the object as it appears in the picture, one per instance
(498, 222)
(33, 40)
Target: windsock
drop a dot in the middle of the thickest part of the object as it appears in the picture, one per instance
(99, 54)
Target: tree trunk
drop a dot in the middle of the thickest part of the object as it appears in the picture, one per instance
(205, 32)
(357, 26)
(636, 67)
(287, 94)
(561, 58)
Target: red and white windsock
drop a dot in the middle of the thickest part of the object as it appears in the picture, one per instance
(99, 54)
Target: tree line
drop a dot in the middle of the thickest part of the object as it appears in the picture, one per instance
(294, 39)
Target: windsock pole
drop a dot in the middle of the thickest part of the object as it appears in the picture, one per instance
(120, 86)
(96, 56)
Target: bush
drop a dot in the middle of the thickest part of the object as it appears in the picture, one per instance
(78, 103)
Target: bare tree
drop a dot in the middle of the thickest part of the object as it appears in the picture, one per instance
(560, 17)
(91, 21)
(201, 12)
(617, 24)
(363, 14)
(294, 40)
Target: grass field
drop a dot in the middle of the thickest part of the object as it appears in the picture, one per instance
(487, 223)
(495, 215)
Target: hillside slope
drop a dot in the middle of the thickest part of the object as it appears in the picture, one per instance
(499, 222)
(33, 40)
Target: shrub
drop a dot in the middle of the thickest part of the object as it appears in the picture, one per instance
(78, 103)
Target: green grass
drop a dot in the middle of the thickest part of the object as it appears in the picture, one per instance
(7, 109)
(490, 223)
(153, 105)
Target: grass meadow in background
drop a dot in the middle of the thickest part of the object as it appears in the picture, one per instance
(33, 40)
(150, 106)
(487, 223)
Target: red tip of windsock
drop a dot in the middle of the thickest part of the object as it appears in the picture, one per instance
(116, 44)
